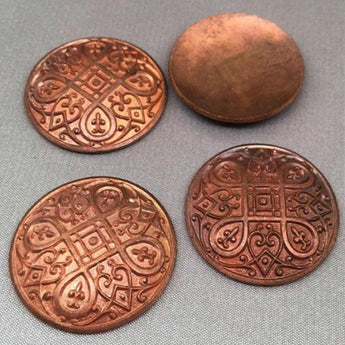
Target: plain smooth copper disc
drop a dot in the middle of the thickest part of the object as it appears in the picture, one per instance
(236, 68)
(261, 214)
(95, 94)
(93, 254)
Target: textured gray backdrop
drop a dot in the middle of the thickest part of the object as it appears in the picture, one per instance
(200, 306)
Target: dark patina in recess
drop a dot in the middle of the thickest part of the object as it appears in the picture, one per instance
(261, 214)
(236, 68)
(95, 94)
(93, 254)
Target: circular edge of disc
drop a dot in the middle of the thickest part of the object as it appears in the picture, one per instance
(129, 141)
(251, 281)
(109, 326)
(243, 119)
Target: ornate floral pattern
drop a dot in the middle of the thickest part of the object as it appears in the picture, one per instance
(95, 94)
(93, 254)
(261, 214)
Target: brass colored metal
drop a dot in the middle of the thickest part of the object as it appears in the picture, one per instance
(261, 214)
(236, 68)
(95, 94)
(93, 254)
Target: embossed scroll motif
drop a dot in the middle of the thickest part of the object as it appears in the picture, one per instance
(261, 214)
(93, 254)
(95, 94)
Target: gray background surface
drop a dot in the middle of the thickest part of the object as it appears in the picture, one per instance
(200, 306)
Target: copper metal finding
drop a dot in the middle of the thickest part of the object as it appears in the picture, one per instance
(95, 94)
(93, 254)
(236, 68)
(261, 214)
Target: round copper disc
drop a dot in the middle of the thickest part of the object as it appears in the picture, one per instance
(261, 214)
(95, 94)
(93, 254)
(236, 68)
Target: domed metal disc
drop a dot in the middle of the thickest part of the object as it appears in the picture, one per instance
(236, 68)
(261, 214)
(95, 95)
(93, 254)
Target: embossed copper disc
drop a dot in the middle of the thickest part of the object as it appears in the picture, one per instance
(261, 214)
(236, 68)
(95, 94)
(93, 254)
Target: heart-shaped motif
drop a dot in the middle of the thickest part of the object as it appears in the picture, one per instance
(48, 89)
(301, 239)
(143, 83)
(41, 235)
(75, 295)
